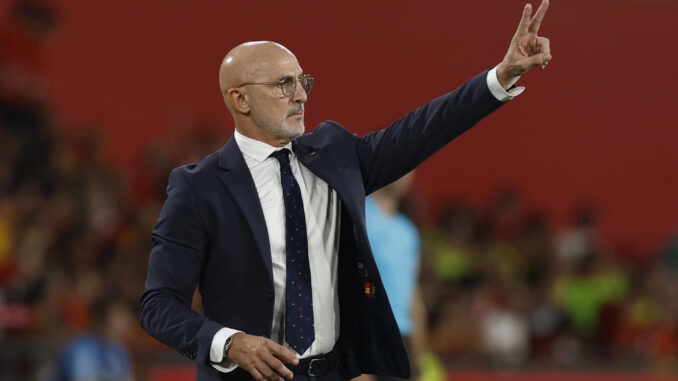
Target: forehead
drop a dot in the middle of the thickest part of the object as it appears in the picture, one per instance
(275, 67)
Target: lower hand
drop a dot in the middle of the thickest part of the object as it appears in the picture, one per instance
(261, 357)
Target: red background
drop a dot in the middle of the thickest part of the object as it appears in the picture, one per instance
(596, 125)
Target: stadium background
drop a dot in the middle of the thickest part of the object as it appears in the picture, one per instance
(593, 128)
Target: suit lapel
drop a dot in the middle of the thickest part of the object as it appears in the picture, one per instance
(240, 185)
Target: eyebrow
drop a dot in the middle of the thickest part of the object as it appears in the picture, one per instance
(291, 76)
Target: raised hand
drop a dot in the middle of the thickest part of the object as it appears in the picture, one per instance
(261, 357)
(527, 49)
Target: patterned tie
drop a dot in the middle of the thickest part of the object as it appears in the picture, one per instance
(299, 329)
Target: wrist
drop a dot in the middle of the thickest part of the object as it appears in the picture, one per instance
(503, 77)
(227, 345)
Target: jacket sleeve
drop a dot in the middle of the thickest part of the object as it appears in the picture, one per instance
(174, 269)
(388, 154)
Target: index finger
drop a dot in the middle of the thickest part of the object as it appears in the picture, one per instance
(536, 21)
(525, 20)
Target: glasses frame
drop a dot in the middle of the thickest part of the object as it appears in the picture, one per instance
(281, 84)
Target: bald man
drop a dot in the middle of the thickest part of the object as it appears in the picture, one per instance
(271, 228)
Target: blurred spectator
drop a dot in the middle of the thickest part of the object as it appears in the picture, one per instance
(648, 327)
(669, 255)
(581, 240)
(100, 353)
(505, 328)
(504, 216)
(24, 115)
(396, 246)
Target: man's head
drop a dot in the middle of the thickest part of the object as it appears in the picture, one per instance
(399, 188)
(249, 77)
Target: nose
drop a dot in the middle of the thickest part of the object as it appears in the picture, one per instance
(299, 95)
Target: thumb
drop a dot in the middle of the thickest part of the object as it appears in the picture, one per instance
(541, 59)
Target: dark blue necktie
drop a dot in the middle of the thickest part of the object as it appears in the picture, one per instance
(299, 329)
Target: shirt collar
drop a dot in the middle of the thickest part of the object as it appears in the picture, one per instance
(256, 149)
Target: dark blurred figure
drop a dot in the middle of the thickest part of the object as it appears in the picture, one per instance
(503, 217)
(669, 255)
(24, 119)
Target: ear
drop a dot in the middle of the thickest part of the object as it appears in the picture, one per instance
(237, 100)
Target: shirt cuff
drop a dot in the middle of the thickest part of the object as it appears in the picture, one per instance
(498, 91)
(217, 350)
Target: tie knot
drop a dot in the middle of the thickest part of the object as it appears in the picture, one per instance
(282, 155)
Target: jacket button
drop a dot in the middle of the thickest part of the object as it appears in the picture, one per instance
(270, 295)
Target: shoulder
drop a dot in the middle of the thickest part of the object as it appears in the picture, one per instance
(334, 140)
(328, 132)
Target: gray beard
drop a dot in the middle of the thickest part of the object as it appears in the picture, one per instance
(277, 129)
(282, 133)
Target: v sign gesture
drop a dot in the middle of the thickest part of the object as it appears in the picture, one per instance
(527, 49)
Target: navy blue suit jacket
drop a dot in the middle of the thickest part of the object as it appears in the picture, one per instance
(211, 233)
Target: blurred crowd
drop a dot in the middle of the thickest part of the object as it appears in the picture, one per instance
(74, 228)
(501, 287)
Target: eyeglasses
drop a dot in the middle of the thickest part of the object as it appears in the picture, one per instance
(288, 84)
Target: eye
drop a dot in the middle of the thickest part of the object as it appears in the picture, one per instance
(288, 84)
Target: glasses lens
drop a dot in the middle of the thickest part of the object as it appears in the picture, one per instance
(306, 81)
(289, 86)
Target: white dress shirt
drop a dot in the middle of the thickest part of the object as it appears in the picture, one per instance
(322, 211)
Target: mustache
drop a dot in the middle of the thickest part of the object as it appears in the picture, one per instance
(295, 110)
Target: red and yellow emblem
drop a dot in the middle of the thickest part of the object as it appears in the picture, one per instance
(369, 290)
